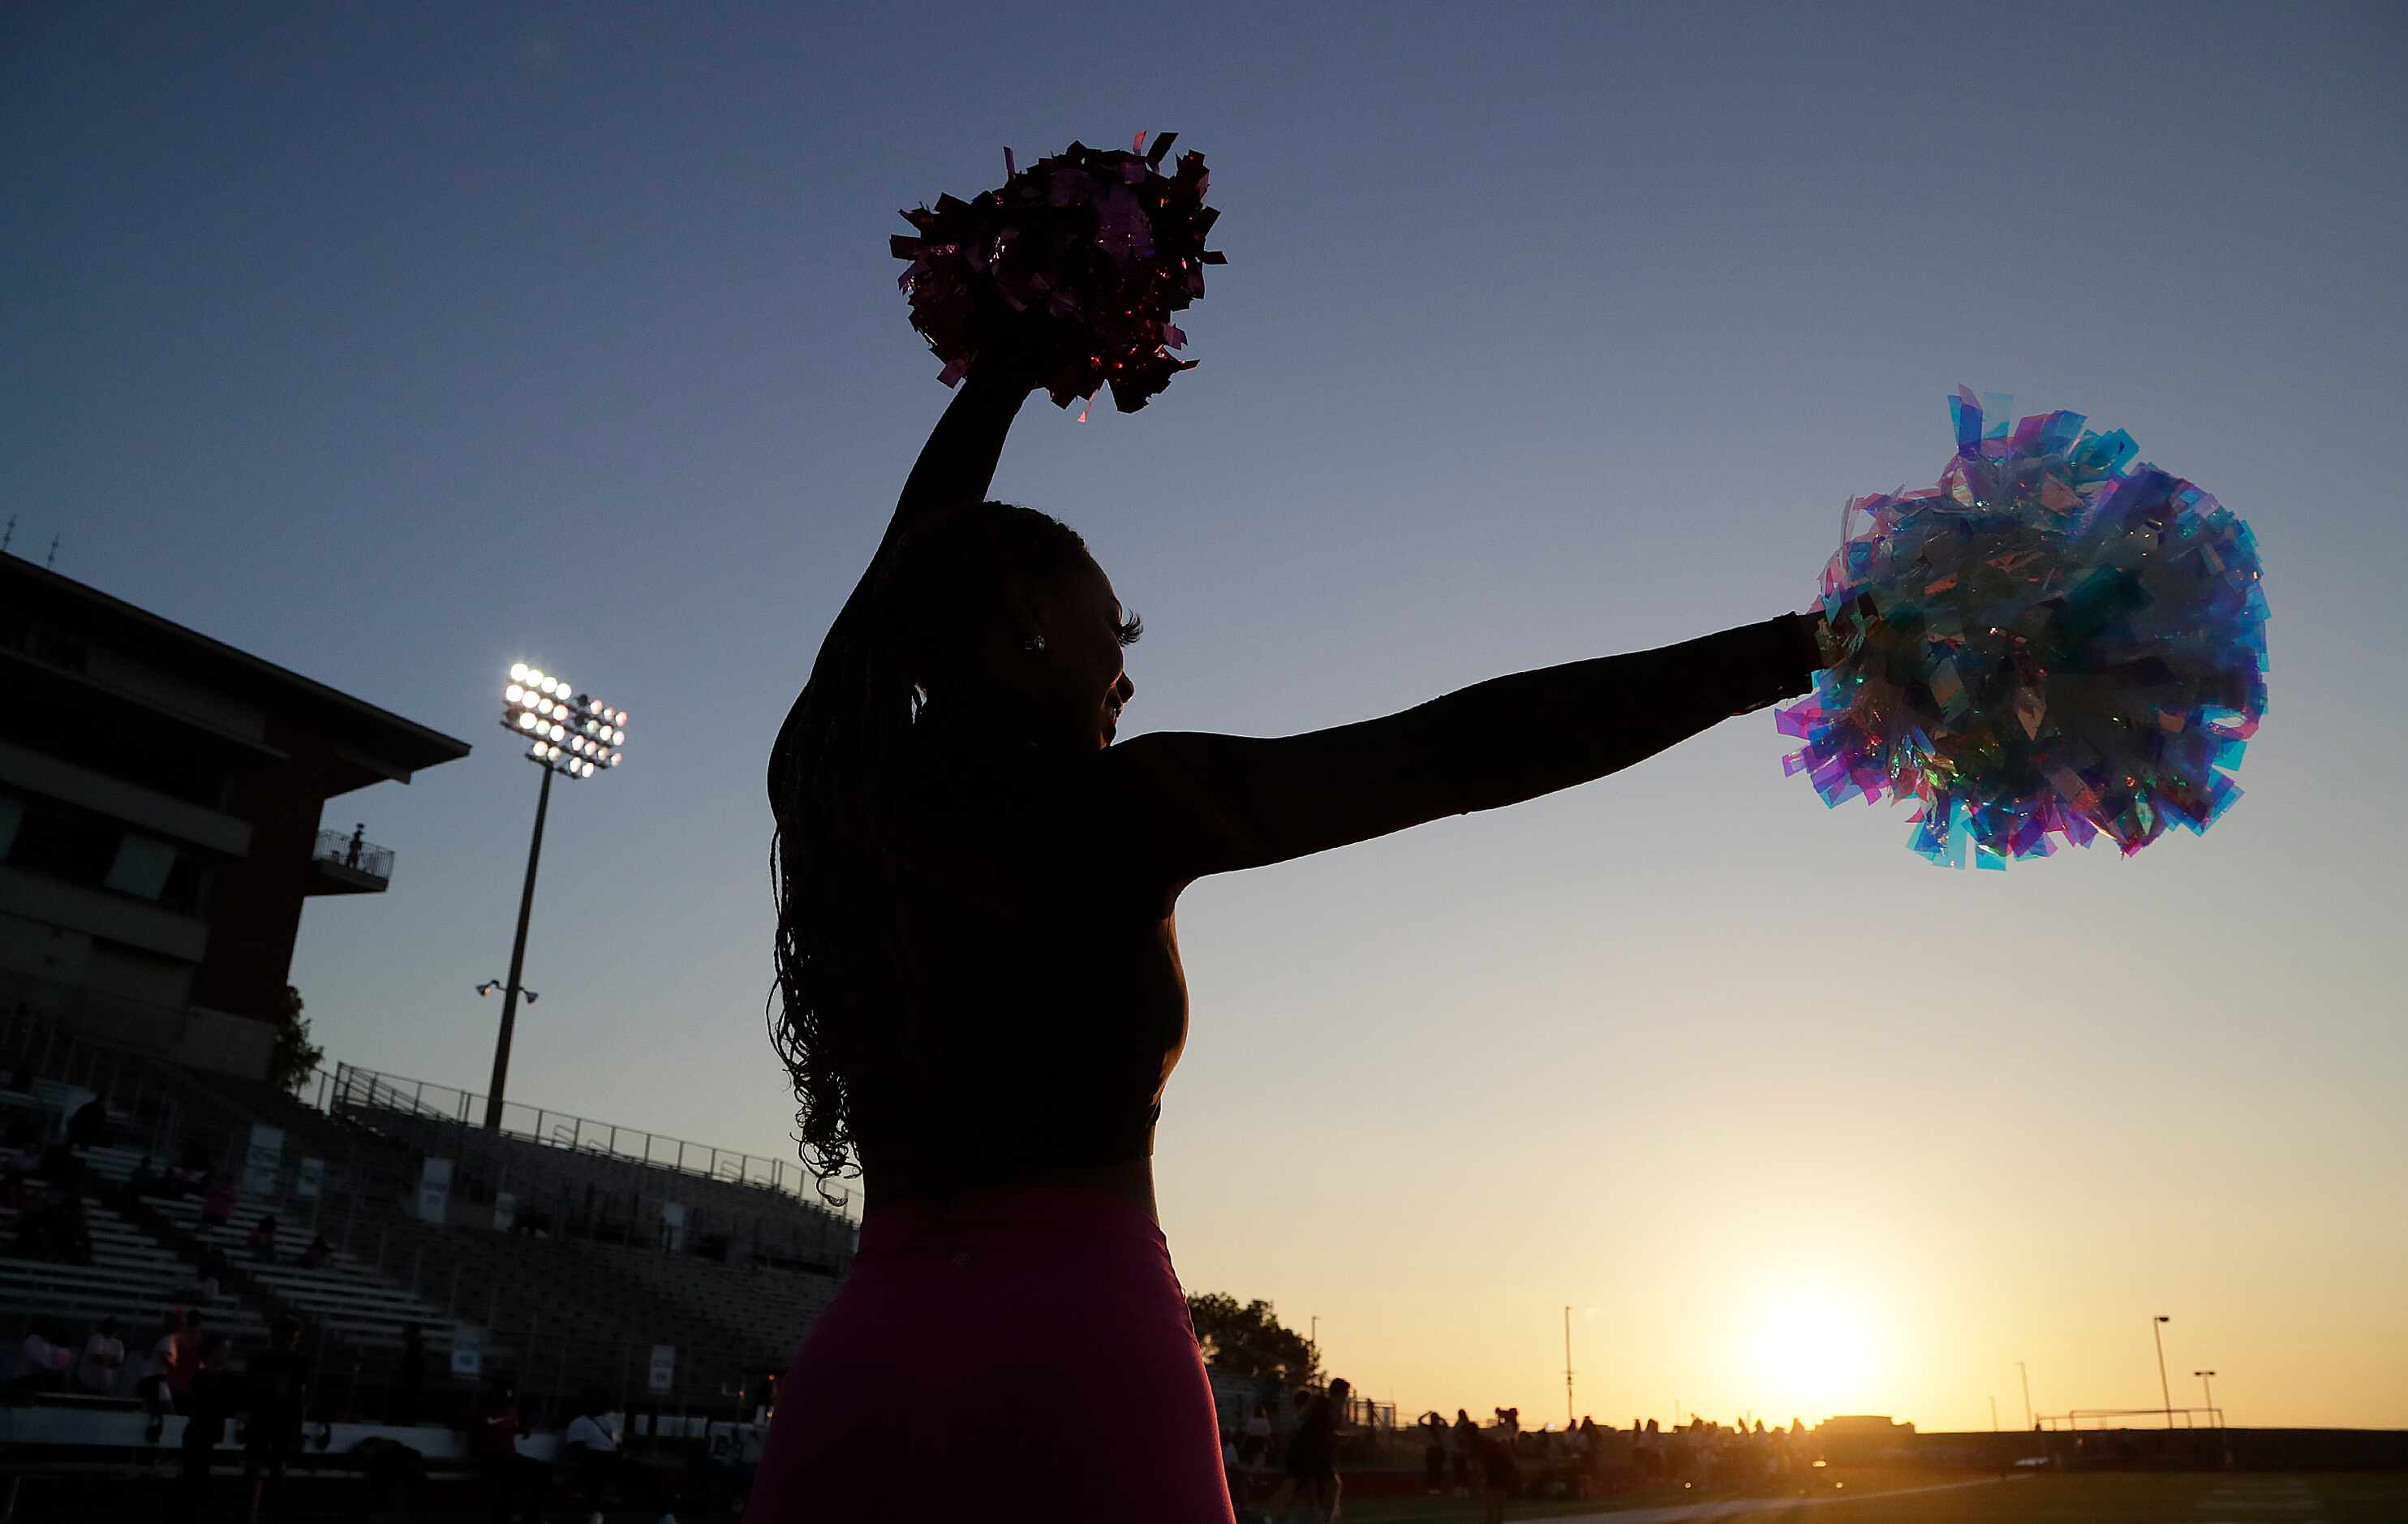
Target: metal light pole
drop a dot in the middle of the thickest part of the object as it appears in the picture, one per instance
(1994, 1414)
(2027, 1375)
(2208, 1389)
(572, 733)
(2157, 1332)
(1568, 1369)
(518, 961)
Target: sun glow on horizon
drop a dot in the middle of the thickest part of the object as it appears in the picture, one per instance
(1813, 1340)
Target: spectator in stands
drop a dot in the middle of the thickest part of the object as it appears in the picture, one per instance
(188, 1178)
(185, 1368)
(276, 1394)
(103, 1359)
(53, 1227)
(139, 1185)
(317, 1254)
(150, 1381)
(208, 1401)
(593, 1450)
(493, 1442)
(89, 1124)
(42, 1365)
(262, 1239)
(207, 1278)
(408, 1379)
(1465, 1448)
(218, 1199)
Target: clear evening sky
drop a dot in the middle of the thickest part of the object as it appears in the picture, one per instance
(397, 344)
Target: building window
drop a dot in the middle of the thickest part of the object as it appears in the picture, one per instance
(61, 841)
(77, 846)
(117, 740)
(141, 868)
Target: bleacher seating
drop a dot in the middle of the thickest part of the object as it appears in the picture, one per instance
(132, 1277)
(768, 1307)
(343, 1296)
(574, 1315)
(595, 1275)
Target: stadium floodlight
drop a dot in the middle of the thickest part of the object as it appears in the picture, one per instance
(539, 705)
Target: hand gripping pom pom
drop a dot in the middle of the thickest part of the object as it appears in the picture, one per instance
(1072, 270)
(2063, 643)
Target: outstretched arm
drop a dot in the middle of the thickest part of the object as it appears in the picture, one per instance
(1216, 804)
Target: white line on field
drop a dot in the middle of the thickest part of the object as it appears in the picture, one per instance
(1735, 1507)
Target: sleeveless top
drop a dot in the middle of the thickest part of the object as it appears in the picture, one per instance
(1037, 1005)
(1017, 963)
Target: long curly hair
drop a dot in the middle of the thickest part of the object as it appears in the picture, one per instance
(930, 598)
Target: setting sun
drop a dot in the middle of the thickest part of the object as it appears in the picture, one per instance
(1817, 1340)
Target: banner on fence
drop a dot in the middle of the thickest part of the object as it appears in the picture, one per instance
(505, 1212)
(434, 1189)
(664, 1372)
(310, 1180)
(259, 1164)
(467, 1351)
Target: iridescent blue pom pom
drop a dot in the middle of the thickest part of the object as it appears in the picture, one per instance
(2067, 644)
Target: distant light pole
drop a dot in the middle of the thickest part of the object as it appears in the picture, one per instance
(2027, 1375)
(2207, 1388)
(1994, 1414)
(567, 732)
(2164, 1393)
(1568, 1369)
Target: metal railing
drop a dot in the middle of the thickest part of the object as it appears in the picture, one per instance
(348, 851)
(2104, 1417)
(363, 1088)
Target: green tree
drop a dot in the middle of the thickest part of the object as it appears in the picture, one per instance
(294, 1057)
(1248, 1340)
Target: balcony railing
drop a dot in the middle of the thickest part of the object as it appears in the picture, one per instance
(345, 851)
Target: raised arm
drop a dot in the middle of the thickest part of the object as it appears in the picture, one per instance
(958, 462)
(1215, 804)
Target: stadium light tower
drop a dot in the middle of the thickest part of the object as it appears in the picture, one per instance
(2027, 1376)
(575, 735)
(2207, 1387)
(2157, 1331)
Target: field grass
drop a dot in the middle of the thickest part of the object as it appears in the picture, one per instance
(2090, 1498)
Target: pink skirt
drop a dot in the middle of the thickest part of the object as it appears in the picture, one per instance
(1028, 1353)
